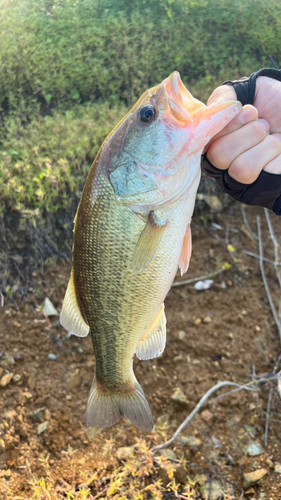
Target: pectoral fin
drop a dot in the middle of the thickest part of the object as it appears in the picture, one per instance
(71, 317)
(148, 243)
(153, 343)
(185, 251)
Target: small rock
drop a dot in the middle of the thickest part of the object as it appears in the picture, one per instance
(207, 320)
(203, 285)
(80, 350)
(197, 322)
(170, 454)
(16, 377)
(68, 397)
(211, 490)
(178, 358)
(1, 371)
(37, 415)
(182, 334)
(74, 381)
(277, 468)
(92, 432)
(253, 449)
(251, 478)
(42, 427)
(124, 452)
(250, 492)
(49, 308)
(257, 328)
(269, 463)
(2, 445)
(28, 395)
(180, 474)
(251, 430)
(7, 474)
(19, 357)
(47, 414)
(206, 415)
(179, 397)
(52, 357)
(201, 479)
(90, 364)
(6, 379)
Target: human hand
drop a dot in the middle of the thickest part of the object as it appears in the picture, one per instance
(251, 142)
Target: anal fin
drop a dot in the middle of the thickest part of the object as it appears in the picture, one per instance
(70, 317)
(153, 343)
(148, 243)
(185, 251)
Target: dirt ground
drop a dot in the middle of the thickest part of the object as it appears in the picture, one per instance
(224, 333)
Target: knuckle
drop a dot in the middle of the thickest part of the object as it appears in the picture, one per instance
(258, 131)
(241, 169)
(274, 144)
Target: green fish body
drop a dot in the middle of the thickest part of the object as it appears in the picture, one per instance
(131, 233)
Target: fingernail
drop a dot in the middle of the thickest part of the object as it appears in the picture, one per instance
(264, 123)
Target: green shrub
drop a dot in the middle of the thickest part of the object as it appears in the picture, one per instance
(43, 166)
(62, 52)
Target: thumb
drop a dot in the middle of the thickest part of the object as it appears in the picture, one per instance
(222, 94)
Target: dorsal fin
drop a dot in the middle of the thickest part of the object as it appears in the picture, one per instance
(70, 316)
(153, 343)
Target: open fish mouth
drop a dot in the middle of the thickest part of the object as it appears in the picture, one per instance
(182, 104)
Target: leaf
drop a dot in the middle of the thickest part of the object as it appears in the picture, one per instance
(12, 152)
(48, 98)
(74, 94)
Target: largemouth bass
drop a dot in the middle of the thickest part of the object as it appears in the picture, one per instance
(131, 233)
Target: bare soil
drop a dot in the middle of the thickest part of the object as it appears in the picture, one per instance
(229, 335)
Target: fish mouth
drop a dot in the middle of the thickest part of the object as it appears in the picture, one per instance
(182, 104)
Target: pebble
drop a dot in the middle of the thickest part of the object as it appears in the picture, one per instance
(170, 454)
(180, 474)
(207, 320)
(47, 414)
(19, 357)
(269, 463)
(6, 379)
(254, 449)
(254, 477)
(197, 322)
(68, 397)
(92, 432)
(74, 381)
(49, 308)
(163, 475)
(124, 452)
(28, 395)
(7, 474)
(2, 445)
(42, 427)
(250, 429)
(211, 490)
(16, 377)
(182, 334)
(80, 350)
(178, 358)
(37, 415)
(277, 468)
(201, 479)
(179, 397)
(1, 371)
(250, 492)
(52, 357)
(207, 415)
(90, 364)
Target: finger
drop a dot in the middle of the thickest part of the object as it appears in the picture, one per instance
(247, 167)
(224, 151)
(247, 114)
(274, 166)
(223, 93)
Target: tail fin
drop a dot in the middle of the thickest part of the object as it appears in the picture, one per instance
(106, 408)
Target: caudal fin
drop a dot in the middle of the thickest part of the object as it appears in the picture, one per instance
(106, 408)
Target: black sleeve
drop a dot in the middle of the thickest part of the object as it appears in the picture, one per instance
(266, 190)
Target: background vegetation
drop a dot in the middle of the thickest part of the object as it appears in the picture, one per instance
(69, 69)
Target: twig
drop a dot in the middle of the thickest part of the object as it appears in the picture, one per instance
(188, 419)
(247, 223)
(264, 258)
(267, 416)
(276, 246)
(269, 297)
(200, 278)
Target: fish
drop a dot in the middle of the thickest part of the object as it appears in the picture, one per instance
(131, 234)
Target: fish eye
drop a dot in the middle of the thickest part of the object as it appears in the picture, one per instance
(147, 113)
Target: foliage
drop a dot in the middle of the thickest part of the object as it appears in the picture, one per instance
(61, 52)
(43, 165)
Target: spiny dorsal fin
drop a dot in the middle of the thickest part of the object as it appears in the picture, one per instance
(148, 243)
(153, 343)
(185, 251)
(70, 316)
